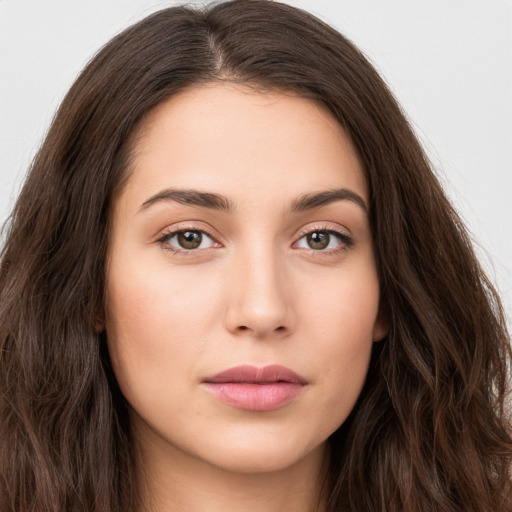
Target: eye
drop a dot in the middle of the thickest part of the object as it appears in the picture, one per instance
(324, 240)
(187, 240)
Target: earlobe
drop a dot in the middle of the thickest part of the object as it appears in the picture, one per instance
(380, 327)
(379, 334)
(99, 326)
(99, 321)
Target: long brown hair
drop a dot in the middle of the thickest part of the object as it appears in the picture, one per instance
(430, 430)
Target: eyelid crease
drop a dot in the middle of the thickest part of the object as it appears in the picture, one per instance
(346, 240)
(323, 226)
(169, 232)
(174, 229)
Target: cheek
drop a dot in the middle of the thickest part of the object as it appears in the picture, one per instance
(342, 322)
(343, 306)
(148, 302)
(153, 328)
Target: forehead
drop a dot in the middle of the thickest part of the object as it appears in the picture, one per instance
(232, 140)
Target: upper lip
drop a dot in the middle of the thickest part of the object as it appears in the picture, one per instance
(254, 375)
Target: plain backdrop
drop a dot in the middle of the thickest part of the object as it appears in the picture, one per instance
(449, 62)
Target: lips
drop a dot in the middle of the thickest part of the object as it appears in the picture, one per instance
(255, 389)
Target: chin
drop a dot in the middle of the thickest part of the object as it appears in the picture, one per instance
(263, 455)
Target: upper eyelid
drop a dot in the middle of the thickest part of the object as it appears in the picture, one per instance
(170, 230)
(168, 233)
(173, 230)
(321, 226)
(344, 238)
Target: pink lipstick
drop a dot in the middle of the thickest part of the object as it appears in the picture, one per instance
(256, 389)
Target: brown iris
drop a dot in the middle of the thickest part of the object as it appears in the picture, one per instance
(318, 239)
(190, 239)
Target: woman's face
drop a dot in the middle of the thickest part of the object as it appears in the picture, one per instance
(242, 294)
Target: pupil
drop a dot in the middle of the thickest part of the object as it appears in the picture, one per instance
(190, 239)
(318, 240)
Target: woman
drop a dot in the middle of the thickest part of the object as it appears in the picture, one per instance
(231, 281)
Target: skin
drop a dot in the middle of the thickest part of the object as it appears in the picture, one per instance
(254, 292)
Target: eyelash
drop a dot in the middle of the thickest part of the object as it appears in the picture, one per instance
(345, 241)
(168, 234)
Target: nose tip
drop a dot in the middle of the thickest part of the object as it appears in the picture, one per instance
(259, 303)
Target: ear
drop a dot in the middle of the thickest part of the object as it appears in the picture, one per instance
(99, 321)
(380, 327)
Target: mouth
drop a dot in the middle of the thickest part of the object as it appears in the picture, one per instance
(256, 389)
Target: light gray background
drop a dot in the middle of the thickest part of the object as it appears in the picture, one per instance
(449, 62)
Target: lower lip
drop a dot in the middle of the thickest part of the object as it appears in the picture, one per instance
(255, 397)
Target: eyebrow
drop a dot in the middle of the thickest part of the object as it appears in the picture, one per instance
(318, 199)
(191, 197)
(219, 202)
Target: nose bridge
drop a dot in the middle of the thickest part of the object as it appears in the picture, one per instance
(259, 301)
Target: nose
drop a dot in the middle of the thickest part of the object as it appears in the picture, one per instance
(260, 295)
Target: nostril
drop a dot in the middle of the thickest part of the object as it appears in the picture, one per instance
(243, 328)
